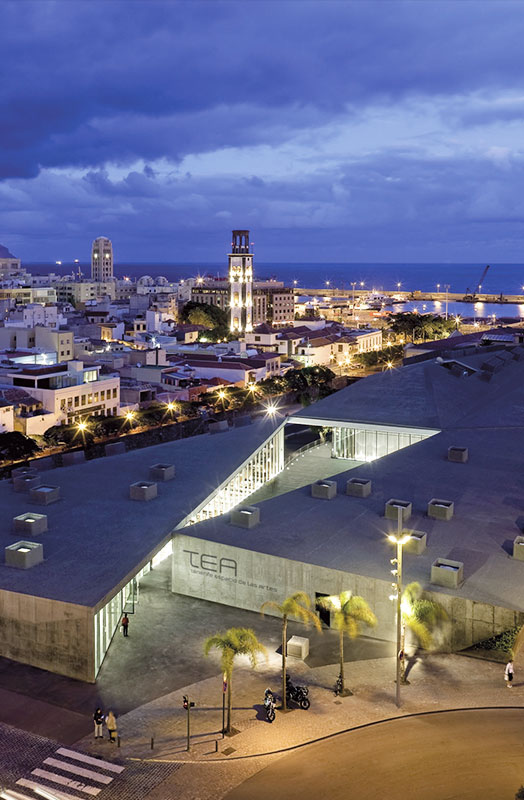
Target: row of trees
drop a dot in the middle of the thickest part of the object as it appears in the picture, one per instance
(411, 326)
(349, 614)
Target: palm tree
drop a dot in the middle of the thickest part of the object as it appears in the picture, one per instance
(420, 615)
(350, 613)
(234, 642)
(297, 605)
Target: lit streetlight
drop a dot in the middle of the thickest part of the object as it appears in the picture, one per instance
(400, 539)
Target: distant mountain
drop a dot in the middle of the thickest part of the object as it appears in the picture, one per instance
(4, 252)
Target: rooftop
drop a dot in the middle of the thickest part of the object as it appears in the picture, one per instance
(97, 536)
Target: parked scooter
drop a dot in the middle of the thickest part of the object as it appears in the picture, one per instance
(297, 694)
(269, 705)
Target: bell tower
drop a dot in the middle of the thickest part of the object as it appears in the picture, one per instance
(241, 283)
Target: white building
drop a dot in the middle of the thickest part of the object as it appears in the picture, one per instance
(102, 259)
(35, 314)
(70, 391)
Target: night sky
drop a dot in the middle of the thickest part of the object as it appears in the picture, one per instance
(334, 131)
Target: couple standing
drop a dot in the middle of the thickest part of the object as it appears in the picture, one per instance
(110, 721)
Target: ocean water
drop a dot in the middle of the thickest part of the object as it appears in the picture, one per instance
(505, 278)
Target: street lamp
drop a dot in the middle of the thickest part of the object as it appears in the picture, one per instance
(446, 287)
(400, 539)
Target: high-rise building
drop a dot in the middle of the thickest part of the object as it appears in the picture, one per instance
(241, 283)
(102, 259)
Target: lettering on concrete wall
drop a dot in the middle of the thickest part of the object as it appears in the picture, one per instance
(220, 568)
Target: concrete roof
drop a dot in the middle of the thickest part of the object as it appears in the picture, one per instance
(349, 533)
(427, 395)
(97, 536)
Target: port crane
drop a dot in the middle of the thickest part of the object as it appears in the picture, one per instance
(471, 295)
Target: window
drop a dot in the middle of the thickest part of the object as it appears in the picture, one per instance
(62, 404)
(103, 394)
(96, 397)
(114, 392)
(89, 399)
(77, 401)
(83, 400)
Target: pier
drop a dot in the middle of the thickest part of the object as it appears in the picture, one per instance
(410, 296)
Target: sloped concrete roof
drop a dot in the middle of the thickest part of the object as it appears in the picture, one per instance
(97, 536)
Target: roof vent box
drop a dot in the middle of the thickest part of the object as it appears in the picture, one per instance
(518, 548)
(24, 555)
(30, 524)
(324, 490)
(358, 487)
(245, 516)
(459, 455)
(441, 509)
(445, 572)
(115, 449)
(23, 483)
(44, 495)
(162, 472)
(417, 543)
(143, 490)
(391, 509)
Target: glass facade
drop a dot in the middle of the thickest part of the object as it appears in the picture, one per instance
(264, 464)
(107, 620)
(368, 444)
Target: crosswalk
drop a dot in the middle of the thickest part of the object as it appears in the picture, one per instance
(66, 775)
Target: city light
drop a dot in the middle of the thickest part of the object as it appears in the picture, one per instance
(170, 406)
(130, 416)
(82, 426)
(271, 410)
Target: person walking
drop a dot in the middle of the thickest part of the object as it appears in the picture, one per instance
(125, 624)
(111, 726)
(98, 719)
(508, 673)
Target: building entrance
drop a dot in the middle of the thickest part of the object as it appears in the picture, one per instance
(323, 613)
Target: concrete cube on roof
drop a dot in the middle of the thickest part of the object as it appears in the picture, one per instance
(20, 472)
(458, 454)
(417, 544)
(143, 490)
(30, 524)
(518, 548)
(446, 572)
(324, 490)
(394, 507)
(41, 464)
(441, 509)
(24, 555)
(44, 495)
(358, 487)
(162, 472)
(245, 516)
(218, 426)
(24, 483)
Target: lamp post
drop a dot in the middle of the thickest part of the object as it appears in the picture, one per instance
(400, 540)
(446, 287)
(353, 284)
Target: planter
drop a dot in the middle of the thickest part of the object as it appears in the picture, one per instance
(115, 449)
(298, 647)
(23, 483)
(76, 457)
(518, 548)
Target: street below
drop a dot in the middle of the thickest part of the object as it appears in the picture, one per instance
(454, 755)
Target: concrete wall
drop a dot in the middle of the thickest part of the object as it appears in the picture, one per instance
(47, 634)
(246, 579)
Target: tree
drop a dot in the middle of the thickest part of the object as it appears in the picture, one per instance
(421, 616)
(520, 794)
(411, 325)
(350, 612)
(297, 605)
(213, 318)
(234, 642)
(15, 446)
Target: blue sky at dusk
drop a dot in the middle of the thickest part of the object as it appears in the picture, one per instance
(334, 131)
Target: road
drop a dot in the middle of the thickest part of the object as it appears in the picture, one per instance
(454, 755)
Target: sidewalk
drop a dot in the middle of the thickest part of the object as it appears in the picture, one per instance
(437, 682)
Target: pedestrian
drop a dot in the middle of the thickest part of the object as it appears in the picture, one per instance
(98, 719)
(508, 673)
(125, 624)
(111, 726)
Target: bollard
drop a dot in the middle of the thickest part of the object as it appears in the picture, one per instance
(152, 742)
(118, 741)
(216, 745)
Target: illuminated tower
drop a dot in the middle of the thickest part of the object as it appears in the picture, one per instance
(102, 259)
(241, 283)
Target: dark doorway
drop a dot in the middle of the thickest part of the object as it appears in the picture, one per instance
(323, 613)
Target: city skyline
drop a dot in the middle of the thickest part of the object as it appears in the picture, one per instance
(334, 131)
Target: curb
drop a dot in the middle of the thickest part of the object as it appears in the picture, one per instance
(326, 737)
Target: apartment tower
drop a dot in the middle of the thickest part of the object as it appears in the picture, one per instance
(102, 259)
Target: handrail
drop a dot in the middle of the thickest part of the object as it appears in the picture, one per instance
(302, 450)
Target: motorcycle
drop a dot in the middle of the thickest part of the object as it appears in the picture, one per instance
(269, 705)
(297, 694)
